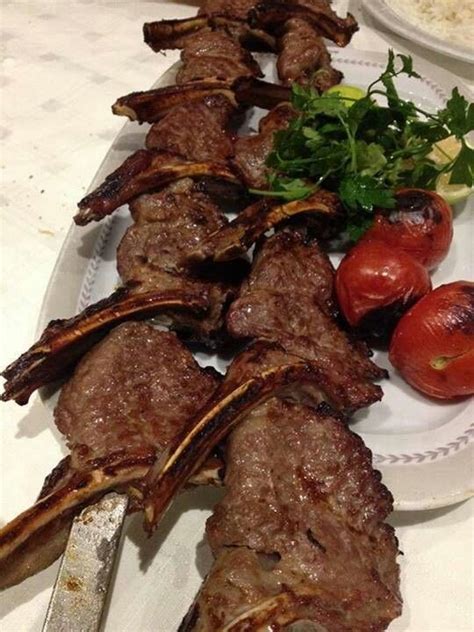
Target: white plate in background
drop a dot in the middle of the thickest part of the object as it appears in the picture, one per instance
(386, 15)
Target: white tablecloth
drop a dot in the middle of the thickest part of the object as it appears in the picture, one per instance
(64, 63)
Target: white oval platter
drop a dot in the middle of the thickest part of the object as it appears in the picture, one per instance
(424, 448)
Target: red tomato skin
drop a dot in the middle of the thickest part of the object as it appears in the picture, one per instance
(433, 344)
(421, 224)
(375, 284)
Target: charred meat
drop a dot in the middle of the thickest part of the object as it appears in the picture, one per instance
(173, 34)
(288, 299)
(145, 170)
(167, 226)
(251, 152)
(272, 15)
(235, 238)
(215, 55)
(65, 340)
(129, 397)
(300, 534)
(304, 58)
(210, 140)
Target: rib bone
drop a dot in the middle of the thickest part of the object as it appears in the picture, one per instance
(37, 537)
(235, 238)
(274, 13)
(34, 539)
(128, 399)
(172, 34)
(213, 423)
(144, 171)
(152, 105)
(63, 341)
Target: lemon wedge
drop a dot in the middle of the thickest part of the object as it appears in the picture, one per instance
(443, 152)
(348, 93)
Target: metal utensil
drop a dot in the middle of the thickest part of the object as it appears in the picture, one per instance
(80, 592)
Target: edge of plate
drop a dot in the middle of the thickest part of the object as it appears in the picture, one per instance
(384, 14)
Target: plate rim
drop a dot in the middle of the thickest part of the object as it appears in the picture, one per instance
(384, 14)
(72, 268)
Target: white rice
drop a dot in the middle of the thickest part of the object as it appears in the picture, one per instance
(450, 20)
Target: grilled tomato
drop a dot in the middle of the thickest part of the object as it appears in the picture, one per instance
(421, 224)
(433, 344)
(376, 284)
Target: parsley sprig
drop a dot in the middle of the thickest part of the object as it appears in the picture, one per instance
(364, 149)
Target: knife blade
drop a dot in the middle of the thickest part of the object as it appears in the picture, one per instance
(81, 587)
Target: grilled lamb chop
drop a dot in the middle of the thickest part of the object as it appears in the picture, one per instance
(214, 54)
(145, 170)
(151, 105)
(173, 34)
(128, 399)
(251, 152)
(64, 341)
(300, 533)
(249, 382)
(236, 9)
(272, 15)
(235, 238)
(167, 226)
(304, 58)
(285, 300)
(210, 140)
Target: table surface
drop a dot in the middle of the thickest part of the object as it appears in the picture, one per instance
(63, 64)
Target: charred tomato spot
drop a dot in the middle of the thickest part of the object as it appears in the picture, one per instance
(412, 201)
(461, 319)
(379, 324)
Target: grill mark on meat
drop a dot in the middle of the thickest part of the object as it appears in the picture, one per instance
(314, 541)
(251, 152)
(345, 579)
(128, 399)
(304, 58)
(209, 140)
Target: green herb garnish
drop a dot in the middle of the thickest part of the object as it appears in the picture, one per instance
(363, 150)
